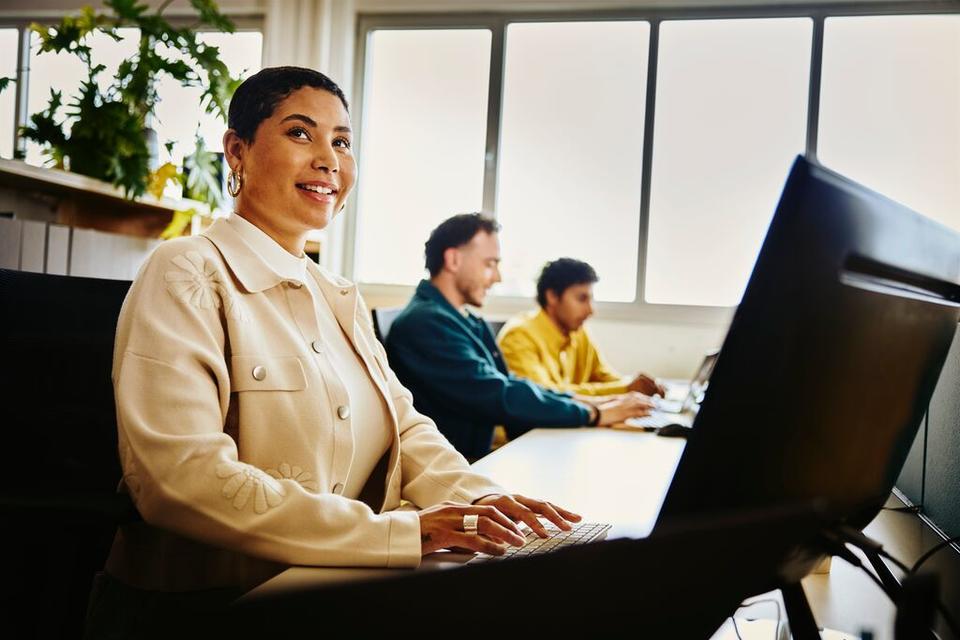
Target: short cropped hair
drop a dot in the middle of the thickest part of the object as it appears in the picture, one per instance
(560, 275)
(258, 96)
(455, 232)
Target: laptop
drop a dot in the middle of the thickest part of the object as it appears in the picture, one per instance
(682, 411)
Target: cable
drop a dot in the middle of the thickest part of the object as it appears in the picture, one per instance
(745, 605)
(931, 552)
(735, 629)
(857, 538)
(911, 509)
(900, 565)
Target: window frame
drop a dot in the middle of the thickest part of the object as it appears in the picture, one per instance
(497, 23)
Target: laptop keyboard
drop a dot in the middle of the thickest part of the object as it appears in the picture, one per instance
(658, 419)
(558, 539)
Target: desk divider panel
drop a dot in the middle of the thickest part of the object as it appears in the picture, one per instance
(941, 500)
(931, 474)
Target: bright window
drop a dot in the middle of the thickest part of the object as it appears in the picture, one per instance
(730, 118)
(890, 108)
(242, 53)
(424, 136)
(571, 147)
(178, 112)
(65, 72)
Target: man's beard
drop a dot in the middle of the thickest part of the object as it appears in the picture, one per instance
(472, 298)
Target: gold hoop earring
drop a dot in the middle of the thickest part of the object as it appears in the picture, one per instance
(234, 183)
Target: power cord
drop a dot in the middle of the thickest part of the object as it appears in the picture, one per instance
(744, 605)
(735, 629)
(858, 539)
(946, 543)
(915, 508)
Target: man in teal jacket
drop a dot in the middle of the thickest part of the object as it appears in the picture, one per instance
(449, 360)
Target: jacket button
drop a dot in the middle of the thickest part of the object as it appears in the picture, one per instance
(317, 346)
(259, 372)
(344, 292)
(343, 412)
(295, 284)
(338, 488)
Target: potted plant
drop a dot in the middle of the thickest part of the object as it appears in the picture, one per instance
(105, 133)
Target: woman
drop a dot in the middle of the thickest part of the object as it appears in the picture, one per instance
(260, 424)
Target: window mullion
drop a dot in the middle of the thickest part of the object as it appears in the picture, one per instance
(494, 114)
(646, 171)
(22, 90)
(813, 105)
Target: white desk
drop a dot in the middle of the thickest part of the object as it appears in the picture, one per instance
(621, 477)
(606, 475)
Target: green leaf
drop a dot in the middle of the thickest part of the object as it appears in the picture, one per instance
(101, 132)
(44, 129)
(127, 9)
(5, 82)
(70, 34)
(210, 14)
(203, 181)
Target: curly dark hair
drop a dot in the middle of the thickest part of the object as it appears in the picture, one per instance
(455, 232)
(258, 96)
(560, 275)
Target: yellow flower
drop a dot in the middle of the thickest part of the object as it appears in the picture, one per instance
(158, 179)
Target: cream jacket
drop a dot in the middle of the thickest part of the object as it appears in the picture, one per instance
(235, 431)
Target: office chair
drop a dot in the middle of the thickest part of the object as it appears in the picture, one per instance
(382, 319)
(495, 326)
(58, 484)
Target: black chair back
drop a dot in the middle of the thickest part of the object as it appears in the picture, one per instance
(58, 484)
(382, 319)
(495, 326)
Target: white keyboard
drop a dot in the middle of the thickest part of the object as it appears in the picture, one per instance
(558, 539)
(659, 419)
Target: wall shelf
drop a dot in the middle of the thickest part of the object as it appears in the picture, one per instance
(57, 196)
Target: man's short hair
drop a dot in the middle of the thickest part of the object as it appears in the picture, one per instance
(560, 275)
(452, 233)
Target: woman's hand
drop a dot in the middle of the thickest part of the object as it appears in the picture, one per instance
(520, 508)
(441, 527)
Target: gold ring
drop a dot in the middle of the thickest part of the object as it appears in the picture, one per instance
(470, 523)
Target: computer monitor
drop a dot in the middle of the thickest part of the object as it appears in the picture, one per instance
(830, 360)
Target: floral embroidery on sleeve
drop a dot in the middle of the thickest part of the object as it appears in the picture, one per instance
(245, 481)
(304, 478)
(197, 282)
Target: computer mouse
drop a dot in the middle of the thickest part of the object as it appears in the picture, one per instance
(674, 431)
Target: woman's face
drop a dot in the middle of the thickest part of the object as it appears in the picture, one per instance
(299, 168)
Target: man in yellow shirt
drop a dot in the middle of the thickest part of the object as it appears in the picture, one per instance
(550, 346)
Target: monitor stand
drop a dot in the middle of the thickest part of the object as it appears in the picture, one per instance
(915, 608)
(803, 626)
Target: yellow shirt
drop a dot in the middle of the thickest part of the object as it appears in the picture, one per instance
(535, 348)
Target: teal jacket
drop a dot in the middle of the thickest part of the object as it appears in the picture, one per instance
(458, 377)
